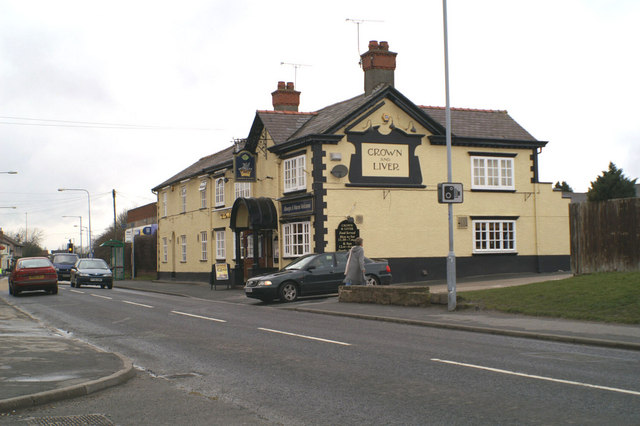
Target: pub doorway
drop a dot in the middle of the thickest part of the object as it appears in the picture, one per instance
(254, 222)
(261, 241)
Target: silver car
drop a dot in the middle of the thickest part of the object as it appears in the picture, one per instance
(91, 272)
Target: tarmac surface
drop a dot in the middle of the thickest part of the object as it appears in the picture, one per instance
(40, 365)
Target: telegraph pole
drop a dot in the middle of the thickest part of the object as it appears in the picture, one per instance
(114, 216)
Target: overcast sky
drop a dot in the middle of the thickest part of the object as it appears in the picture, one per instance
(124, 94)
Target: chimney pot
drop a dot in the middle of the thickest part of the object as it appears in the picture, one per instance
(285, 98)
(378, 64)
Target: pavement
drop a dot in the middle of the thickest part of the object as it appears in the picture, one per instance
(40, 365)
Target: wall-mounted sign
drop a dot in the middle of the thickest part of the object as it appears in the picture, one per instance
(385, 160)
(346, 233)
(244, 167)
(150, 229)
(297, 207)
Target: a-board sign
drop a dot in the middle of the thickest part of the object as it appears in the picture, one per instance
(222, 271)
(346, 233)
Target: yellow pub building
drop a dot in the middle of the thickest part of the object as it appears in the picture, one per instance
(369, 166)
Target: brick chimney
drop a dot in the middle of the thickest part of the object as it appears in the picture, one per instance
(378, 64)
(285, 98)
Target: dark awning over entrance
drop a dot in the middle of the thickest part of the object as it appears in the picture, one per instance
(253, 213)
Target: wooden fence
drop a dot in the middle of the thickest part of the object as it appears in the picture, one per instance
(605, 236)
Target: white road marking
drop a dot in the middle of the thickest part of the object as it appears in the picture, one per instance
(531, 376)
(197, 316)
(104, 297)
(138, 304)
(77, 291)
(304, 337)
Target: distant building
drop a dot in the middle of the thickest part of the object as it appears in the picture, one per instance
(142, 226)
(142, 216)
(305, 182)
(10, 250)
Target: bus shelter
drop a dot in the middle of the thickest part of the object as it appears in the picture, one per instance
(117, 258)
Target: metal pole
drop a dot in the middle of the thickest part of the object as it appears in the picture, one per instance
(89, 201)
(80, 235)
(80, 229)
(451, 256)
(133, 255)
(90, 244)
(114, 216)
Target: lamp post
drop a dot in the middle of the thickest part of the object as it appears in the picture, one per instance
(80, 217)
(451, 256)
(89, 201)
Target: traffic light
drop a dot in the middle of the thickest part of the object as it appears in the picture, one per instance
(70, 247)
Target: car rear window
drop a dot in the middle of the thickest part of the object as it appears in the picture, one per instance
(93, 264)
(34, 263)
(65, 258)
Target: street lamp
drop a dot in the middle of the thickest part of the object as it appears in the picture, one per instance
(89, 200)
(80, 217)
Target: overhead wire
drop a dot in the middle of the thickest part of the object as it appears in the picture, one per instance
(42, 122)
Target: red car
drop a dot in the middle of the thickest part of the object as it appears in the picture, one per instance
(33, 273)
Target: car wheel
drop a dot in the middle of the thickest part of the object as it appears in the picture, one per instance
(77, 284)
(102, 286)
(110, 286)
(54, 290)
(10, 289)
(288, 291)
(372, 280)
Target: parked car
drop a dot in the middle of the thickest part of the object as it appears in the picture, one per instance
(91, 272)
(312, 274)
(63, 263)
(33, 273)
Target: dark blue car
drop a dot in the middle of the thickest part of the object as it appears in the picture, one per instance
(63, 263)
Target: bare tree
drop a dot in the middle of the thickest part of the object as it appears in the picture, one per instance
(31, 243)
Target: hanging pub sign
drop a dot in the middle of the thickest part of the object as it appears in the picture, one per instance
(244, 166)
(346, 233)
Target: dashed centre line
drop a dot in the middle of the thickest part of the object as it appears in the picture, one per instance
(305, 337)
(197, 316)
(532, 376)
(138, 304)
(103, 297)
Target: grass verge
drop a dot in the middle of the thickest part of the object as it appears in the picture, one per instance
(608, 297)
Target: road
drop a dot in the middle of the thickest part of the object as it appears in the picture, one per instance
(261, 364)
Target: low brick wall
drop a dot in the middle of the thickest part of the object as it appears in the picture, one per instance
(386, 295)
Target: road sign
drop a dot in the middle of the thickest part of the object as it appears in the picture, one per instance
(449, 193)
